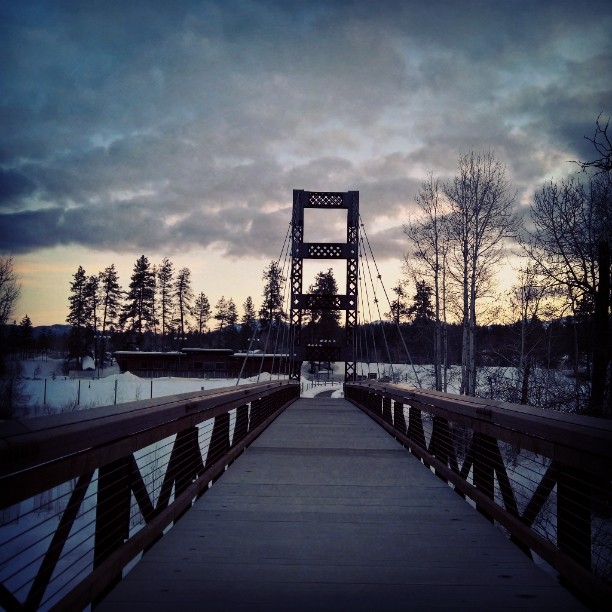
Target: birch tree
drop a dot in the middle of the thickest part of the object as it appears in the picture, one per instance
(481, 219)
(428, 233)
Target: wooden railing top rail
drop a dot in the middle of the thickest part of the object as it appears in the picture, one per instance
(99, 435)
(582, 441)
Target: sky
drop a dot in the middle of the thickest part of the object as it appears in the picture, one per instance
(180, 128)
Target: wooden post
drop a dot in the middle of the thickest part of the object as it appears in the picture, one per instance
(112, 513)
(484, 467)
(574, 515)
(386, 410)
(399, 420)
(241, 427)
(219, 439)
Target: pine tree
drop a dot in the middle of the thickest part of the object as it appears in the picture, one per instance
(421, 309)
(201, 313)
(183, 295)
(324, 321)
(78, 313)
(221, 314)
(165, 283)
(110, 303)
(232, 312)
(398, 305)
(250, 315)
(272, 307)
(92, 297)
(26, 335)
(138, 311)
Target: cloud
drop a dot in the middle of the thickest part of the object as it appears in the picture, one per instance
(190, 124)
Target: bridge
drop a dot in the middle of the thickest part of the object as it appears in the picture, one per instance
(253, 497)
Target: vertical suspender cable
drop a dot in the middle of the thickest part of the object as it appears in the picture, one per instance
(408, 355)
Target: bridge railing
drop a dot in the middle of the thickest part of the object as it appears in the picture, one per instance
(544, 476)
(83, 494)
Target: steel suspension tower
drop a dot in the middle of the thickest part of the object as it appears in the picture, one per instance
(300, 250)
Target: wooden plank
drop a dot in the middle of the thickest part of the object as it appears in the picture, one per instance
(327, 511)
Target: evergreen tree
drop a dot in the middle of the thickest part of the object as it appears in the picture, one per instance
(26, 335)
(250, 315)
(92, 297)
(421, 309)
(325, 320)
(110, 303)
(272, 308)
(78, 313)
(398, 305)
(165, 283)
(201, 312)
(232, 312)
(221, 314)
(138, 311)
(184, 296)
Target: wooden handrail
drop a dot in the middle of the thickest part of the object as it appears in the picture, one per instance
(581, 441)
(97, 449)
(579, 450)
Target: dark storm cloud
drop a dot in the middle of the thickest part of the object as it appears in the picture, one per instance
(179, 124)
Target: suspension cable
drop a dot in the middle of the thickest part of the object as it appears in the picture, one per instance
(370, 324)
(284, 257)
(379, 276)
(258, 326)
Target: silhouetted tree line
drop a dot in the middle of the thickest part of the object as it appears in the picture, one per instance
(159, 310)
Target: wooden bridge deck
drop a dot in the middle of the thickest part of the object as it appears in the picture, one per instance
(327, 512)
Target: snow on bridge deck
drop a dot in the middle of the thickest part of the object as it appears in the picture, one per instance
(325, 511)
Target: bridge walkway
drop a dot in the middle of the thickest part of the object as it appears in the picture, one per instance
(325, 511)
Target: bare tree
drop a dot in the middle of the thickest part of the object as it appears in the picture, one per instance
(526, 299)
(9, 288)
(480, 221)
(570, 246)
(603, 146)
(428, 233)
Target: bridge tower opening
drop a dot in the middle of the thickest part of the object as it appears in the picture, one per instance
(300, 301)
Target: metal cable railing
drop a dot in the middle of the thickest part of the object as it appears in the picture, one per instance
(544, 477)
(83, 495)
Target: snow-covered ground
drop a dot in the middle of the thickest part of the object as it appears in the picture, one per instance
(46, 390)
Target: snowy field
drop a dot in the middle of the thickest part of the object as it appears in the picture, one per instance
(47, 391)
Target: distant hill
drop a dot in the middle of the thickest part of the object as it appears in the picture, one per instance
(56, 330)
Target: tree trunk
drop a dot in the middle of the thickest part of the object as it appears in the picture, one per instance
(525, 384)
(601, 325)
(466, 326)
(437, 330)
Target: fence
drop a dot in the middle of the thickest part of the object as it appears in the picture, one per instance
(545, 477)
(83, 494)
